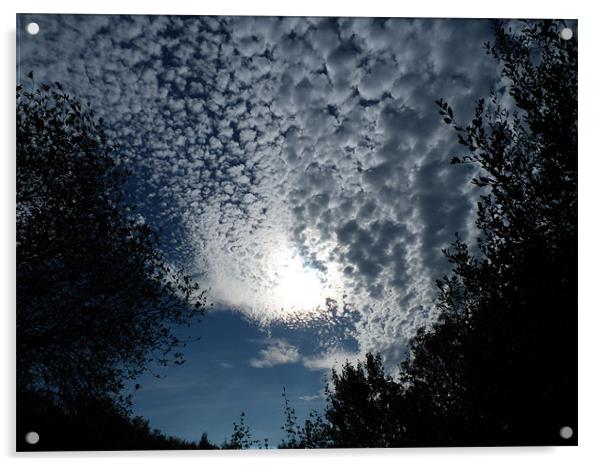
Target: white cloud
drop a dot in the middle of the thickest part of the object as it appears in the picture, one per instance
(331, 359)
(278, 352)
(319, 396)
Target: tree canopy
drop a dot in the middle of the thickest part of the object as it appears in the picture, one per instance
(97, 301)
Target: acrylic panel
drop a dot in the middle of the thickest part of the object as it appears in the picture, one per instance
(295, 232)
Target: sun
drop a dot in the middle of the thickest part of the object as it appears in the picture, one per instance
(297, 286)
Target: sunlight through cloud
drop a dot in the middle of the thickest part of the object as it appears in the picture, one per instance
(298, 286)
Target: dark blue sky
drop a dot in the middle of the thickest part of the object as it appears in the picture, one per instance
(286, 161)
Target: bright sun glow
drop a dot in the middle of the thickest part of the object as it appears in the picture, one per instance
(296, 286)
(277, 283)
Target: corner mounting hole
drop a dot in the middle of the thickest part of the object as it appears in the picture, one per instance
(33, 28)
(566, 34)
(32, 437)
(566, 432)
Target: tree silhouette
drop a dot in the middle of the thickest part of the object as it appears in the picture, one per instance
(291, 428)
(361, 406)
(97, 424)
(241, 438)
(205, 444)
(500, 365)
(96, 300)
(506, 340)
(313, 434)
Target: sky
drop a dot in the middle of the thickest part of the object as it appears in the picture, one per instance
(298, 169)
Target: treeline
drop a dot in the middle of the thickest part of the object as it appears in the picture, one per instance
(102, 424)
(97, 303)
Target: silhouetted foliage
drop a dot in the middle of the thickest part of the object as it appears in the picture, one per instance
(361, 405)
(241, 438)
(91, 424)
(500, 365)
(312, 434)
(505, 348)
(205, 444)
(96, 300)
(290, 427)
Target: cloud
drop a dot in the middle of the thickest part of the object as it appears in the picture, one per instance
(331, 359)
(319, 396)
(253, 138)
(277, 353)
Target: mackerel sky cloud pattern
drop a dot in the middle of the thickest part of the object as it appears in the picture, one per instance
(270, 146)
